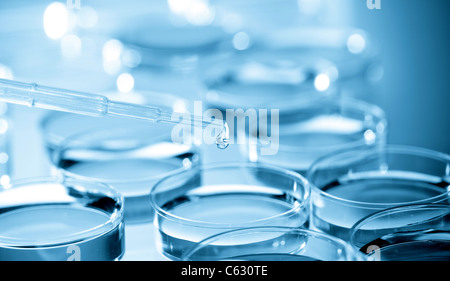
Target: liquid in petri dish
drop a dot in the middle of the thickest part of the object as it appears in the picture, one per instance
(57, 233)
(220, 212)
(424, 245)
(132, 172)
(386, 191)
(303, 141)
(256, 247)
(271, 257)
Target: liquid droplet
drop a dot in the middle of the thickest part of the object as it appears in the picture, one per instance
(224, 143)
(223, 138)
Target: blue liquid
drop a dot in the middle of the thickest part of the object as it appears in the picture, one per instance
(302, 141)
(387, 191)
(221, 212)
(132, 172)
(58, 233)
(411, 246)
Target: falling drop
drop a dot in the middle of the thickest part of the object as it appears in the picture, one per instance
(223, 138)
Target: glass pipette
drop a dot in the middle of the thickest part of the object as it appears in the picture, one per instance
(33, 95)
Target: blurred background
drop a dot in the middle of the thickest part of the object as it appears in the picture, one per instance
(162, 45)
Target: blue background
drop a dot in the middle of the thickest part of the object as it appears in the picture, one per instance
(413, 37)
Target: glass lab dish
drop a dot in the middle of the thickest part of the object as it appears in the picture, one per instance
(130, 155)
(273, 244)
(269, 79)
(57, 127)
(282, 68)
(60, 219)
(173, 36)
(131, 160)
(204, 201)
(352, 184)
(317, 127)
(406, 233)
(354, 53)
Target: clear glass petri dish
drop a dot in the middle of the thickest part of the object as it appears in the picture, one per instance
(273, 244)
(354, 53)
(171, 36)
(317, 127)
(352, 184)
(287, 66)
(131, 155)
(57, 127)
(198, 203)
(407, 233)
(263, 78)
(131, 160)
(60, 219)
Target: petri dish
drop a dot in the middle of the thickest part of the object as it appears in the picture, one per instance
(354, 53)
(131, 160)
(130, 155)
(60, 219)
(273, 244)
(407, 233)
(317, 127)
(290, 65)
(263, 78)
(352, 184)
(201, 202)
(171, 38)
(57, 127)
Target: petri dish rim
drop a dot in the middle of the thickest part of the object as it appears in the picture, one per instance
(66, 146)
(233, 165)
(347, 104)
(279, 229)
(397, 149)
(393, 210)
(113, 221)
(162, 99)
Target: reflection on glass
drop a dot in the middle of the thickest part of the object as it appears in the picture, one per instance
(201, 202)
(315, 128)
(350, 185)
(272, 244)
(407, 233)
(130, 155)
(54, 220)
(266, 78)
